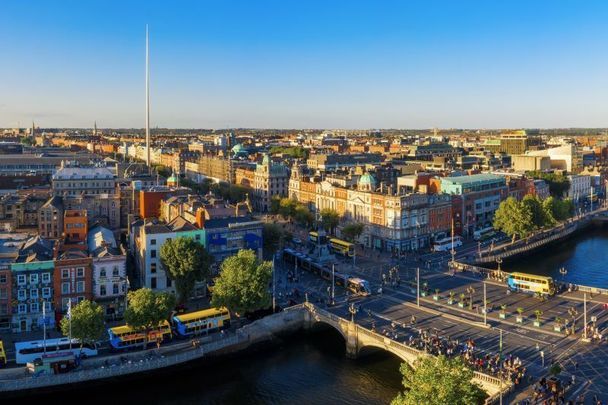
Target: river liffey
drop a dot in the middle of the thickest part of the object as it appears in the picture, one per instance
(584, 256)
(307, 369)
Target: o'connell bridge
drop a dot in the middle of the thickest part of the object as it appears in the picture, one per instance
(358, 338)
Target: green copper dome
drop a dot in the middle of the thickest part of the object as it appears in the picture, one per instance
(367, 180)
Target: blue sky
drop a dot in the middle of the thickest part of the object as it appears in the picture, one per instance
(306, 64)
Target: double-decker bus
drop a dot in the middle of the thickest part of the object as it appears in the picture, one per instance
(445, 244)
(205, 321)
(125, 337)
(353, 284)
(339, 246)
(2, 355)
(27, 352)
(531, 283)
(342, 247)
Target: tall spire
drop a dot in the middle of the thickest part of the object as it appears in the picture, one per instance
(95, 128)
(148, 162)
(33, 134)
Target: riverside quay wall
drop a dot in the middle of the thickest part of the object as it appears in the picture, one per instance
(273, 327)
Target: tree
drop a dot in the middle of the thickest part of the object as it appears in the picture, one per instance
(558, 183)
(303, 216)
(275, 204)
(439, 381)
(352, 231)
(329, 219)
(272, 234)
(513, 218)
(242, 285)
(87, 322)
(148, 309)
(539, 215)
(559, 210)
(287, 207)
(185, 262)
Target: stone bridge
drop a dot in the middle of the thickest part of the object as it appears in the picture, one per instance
(358, 338)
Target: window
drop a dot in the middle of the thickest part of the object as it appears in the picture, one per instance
(64, 304)
(2, 278)
(152, 241)
(153, 283)
(34, 307)
(46, 292)
(115, 289)
(3, 293)
(168, 282)
(21, 295)
(153, 268)
(34, 293)
(33, 278)
(115, 271)
(65, 288)
(80, 272)
(102, 290)
(80, 286)
(80, 299)
(47, 305)
(153, 253)
(22, 308)
(3, 309)
(46, 278)
(102, 272)
(21, 279)
(197, 237)
(65, 273)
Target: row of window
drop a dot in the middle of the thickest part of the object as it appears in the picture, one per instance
(65, 273)
(115, 272)
(66, 288)
(22, 278)
(34, 307)
(22, 293)
(115, 289)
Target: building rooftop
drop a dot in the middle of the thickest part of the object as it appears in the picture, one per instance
(472, 179)
(68, 173)
(225, 222)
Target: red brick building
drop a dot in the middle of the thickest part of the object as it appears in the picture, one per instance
(72, 279)
(5, 297)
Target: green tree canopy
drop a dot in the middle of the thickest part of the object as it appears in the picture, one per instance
(87, 322)
(275, 204)
(297, 152)
(352, 231)
(439, 381)
(272, 234)
(148, 309)
(513, 218)
(558, 183)
(185, 262)
(539, 215)
(242, 285)
(303, 216)
(329, 219)
(559, 209)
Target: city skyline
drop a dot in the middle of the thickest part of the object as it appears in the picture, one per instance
(469, 65)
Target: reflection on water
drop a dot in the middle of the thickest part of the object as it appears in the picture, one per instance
(309, 369)
(584, 257)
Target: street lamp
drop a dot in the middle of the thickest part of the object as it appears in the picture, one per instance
(499, 262)
(563, 272)
(470, 291)
(573, 313)
(352, 310)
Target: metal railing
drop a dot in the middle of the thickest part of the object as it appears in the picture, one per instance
(143, 363)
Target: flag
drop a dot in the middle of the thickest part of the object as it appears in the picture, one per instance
(69, 313)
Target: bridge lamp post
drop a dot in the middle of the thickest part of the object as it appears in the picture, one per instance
(499, 262)
(352, 310)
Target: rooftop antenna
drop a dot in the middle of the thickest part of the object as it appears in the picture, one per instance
(148, 102)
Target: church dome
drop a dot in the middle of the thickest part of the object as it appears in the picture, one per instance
(367, 182)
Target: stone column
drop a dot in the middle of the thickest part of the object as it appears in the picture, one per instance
(352, 344)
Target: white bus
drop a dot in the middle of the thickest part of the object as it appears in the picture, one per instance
(483, 234)
(27, 352)
(445, 244)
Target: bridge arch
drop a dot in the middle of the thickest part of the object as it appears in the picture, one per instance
(330, 325)
(370, 347)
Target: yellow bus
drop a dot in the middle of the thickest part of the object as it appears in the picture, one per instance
(342, 247)
(531, 283)
(2, 355)
(205, 321)
(125, 337)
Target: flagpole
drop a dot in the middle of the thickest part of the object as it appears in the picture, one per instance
(44, 326)
(500, 368)
(70, 321)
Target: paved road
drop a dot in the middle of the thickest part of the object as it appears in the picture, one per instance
(397, 304)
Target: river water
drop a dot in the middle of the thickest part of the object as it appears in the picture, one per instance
(584, 256)
(305, 369)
